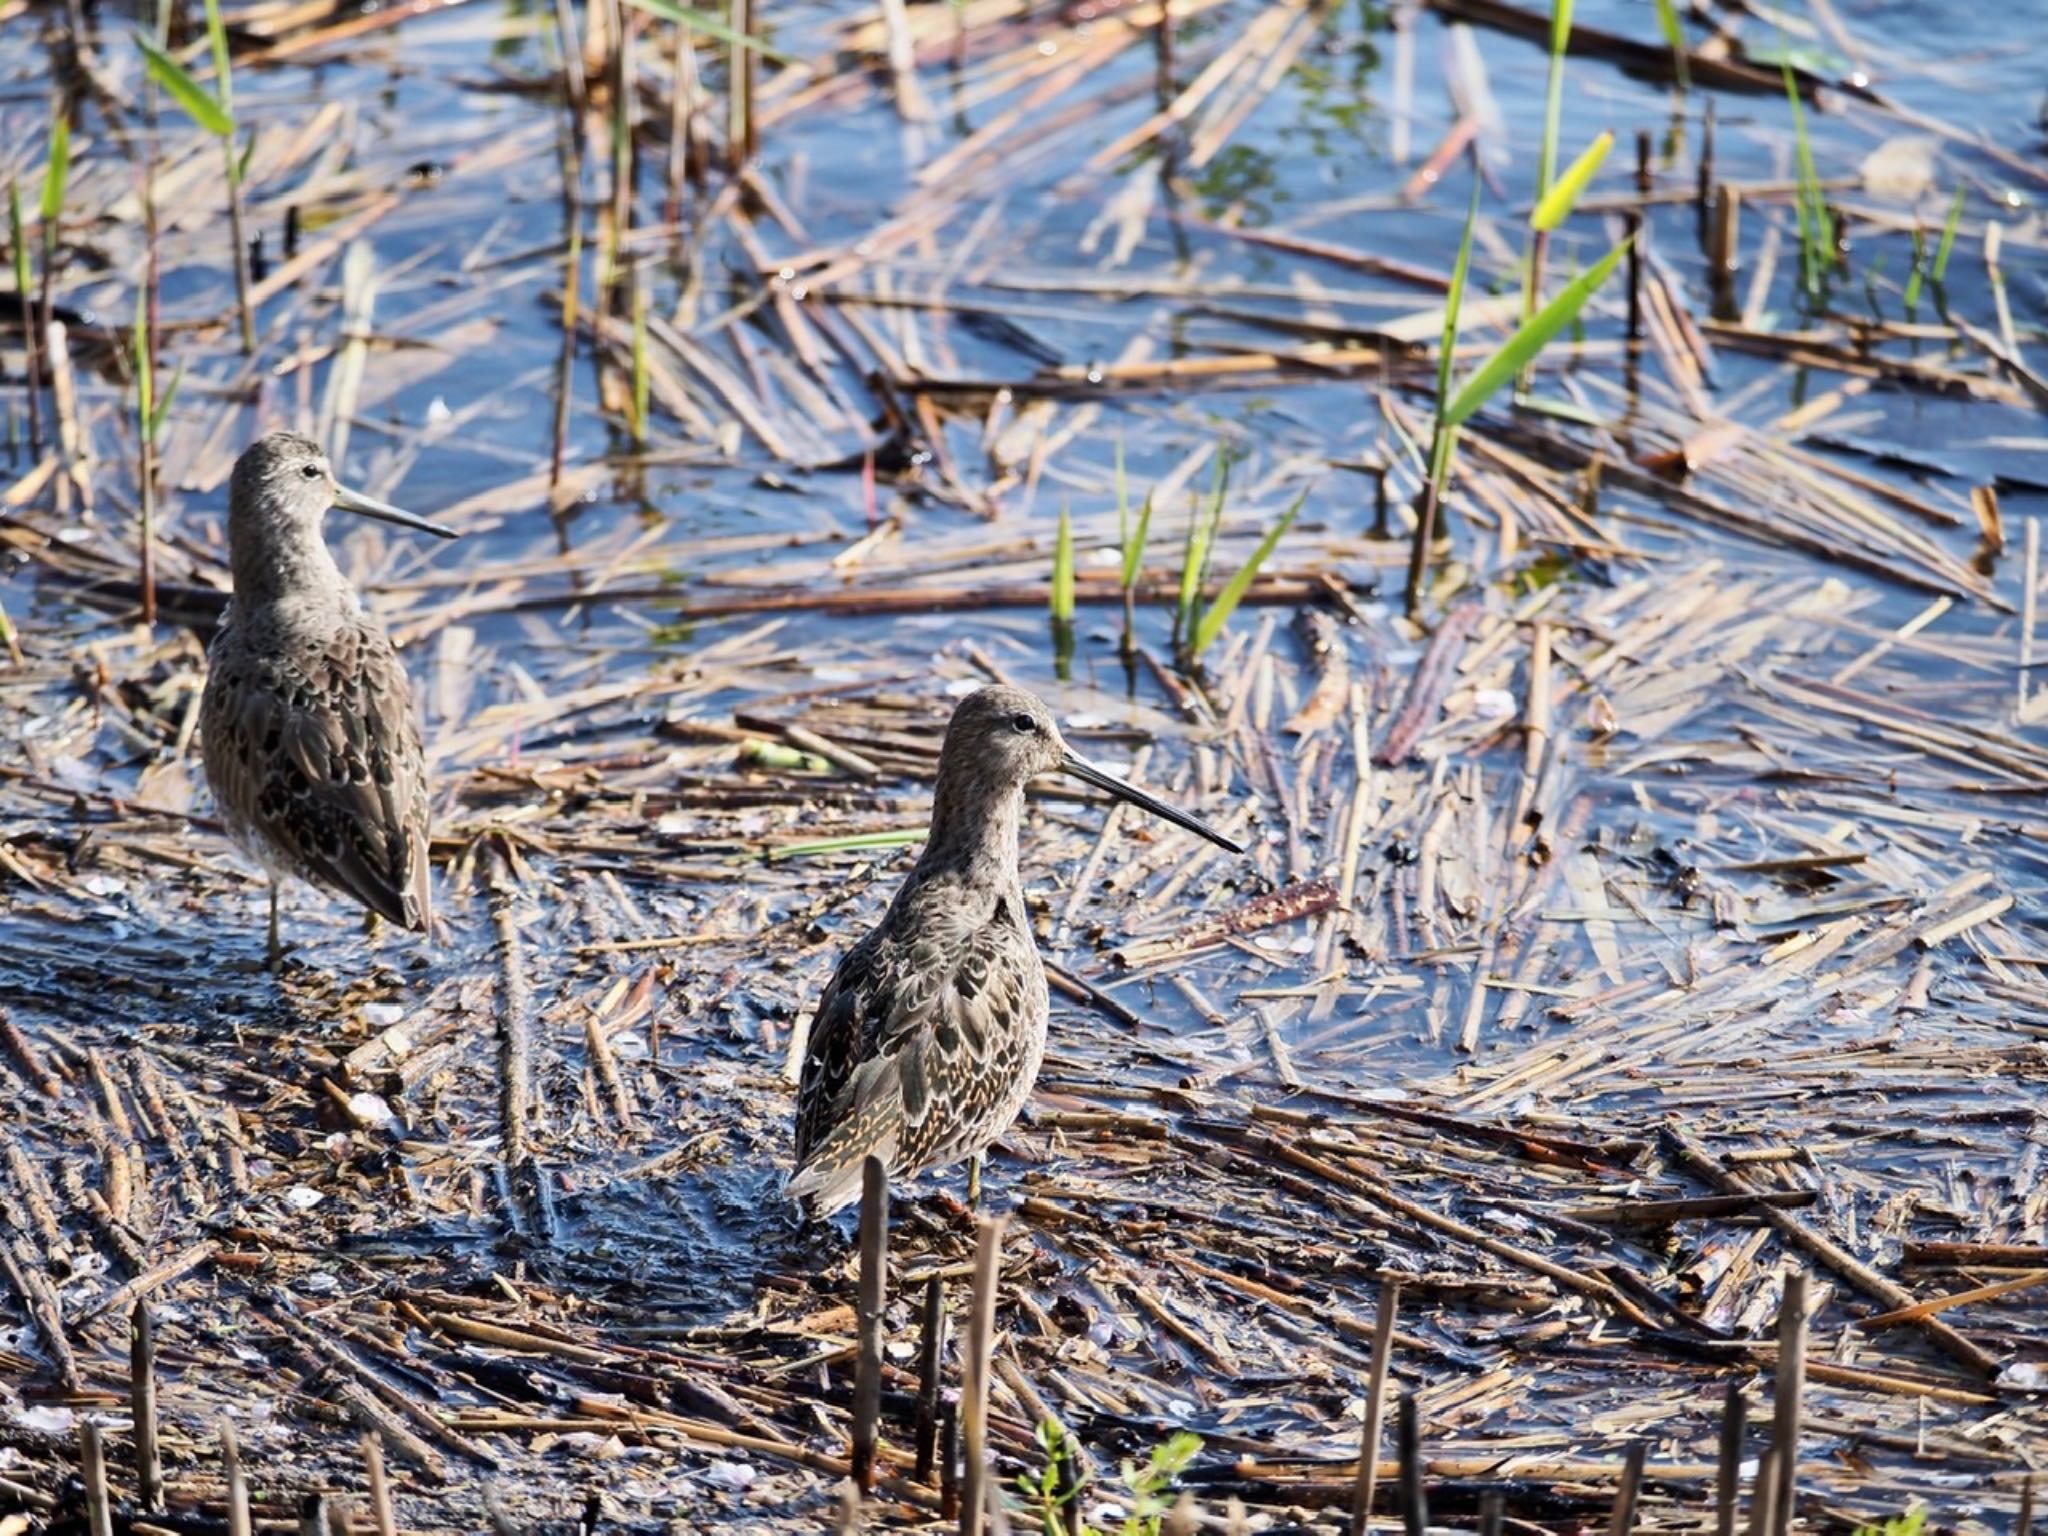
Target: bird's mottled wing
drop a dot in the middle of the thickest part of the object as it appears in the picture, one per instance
(918, 1051)
(842, 1036)
(317, 752)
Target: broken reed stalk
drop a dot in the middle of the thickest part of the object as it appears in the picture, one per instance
(974, 1382)
(1375, 1408)
(682, 97)
(92, 1467)
(1728, 1473)
(1414, 1504)
(238, 1486)
(622, 23)
(874, 1297)
(930, 1362)
(380, 1486)
(949, 1462)
(242, 300)
(1493, 1509)
(565, 367)
(1763, 1496)
(1625, 1496)
(739, 84)
(2024, 1525)
(1634, 222)
(149, 1462)
(1787, 1387)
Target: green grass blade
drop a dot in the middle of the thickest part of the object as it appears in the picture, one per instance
(1194, 558)
(188, 93)
(145, 396)
(58, 170)
(1674, 38)
(710, 26)
(897, 839)
(163, 406)
(1454, 300)
(1816, 229)
(1556, 204)
(1063, 569)
(1134, 549)
(1218, 613)
(223, 65)
(1553, 104)
(1914, 278)
(1948, 237)
(16, 241)
(1531, 337)
(1123, 511)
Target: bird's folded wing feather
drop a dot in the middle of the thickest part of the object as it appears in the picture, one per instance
(328, 753)
(901, 1028)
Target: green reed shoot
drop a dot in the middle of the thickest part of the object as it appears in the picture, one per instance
(1557, 202)
(1443, 431)
(17, 242)
(1674, 38)
(56, 180)
(1203, 521)
(1151, 1485)
(1132, 543)
(1059, 1480)
(214, 112)
(849, 844)
(1948, 238)
(1062, 599)
(1816, 227)
(1917, 272)
(1553, 98)
(1517, 353)
(1217, 614)
(1546, 152)
(1530, 339)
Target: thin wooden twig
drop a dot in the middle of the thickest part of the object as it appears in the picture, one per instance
(874, 1297)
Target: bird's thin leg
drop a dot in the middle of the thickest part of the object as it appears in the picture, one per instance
(974, 1182)
(276, 949)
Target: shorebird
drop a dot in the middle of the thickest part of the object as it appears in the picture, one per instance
(307, 723)
(928, 1037)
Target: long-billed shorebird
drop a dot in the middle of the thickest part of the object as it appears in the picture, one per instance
(928, 1037)
(307, 725)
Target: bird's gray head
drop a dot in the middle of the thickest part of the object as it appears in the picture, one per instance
(282, 484)
(1002, 737)
(277, 500)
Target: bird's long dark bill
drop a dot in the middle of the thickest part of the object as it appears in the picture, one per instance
(384, 512)
(1088, 773)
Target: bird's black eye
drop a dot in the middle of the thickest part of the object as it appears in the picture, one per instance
(310, 471)
(1022, 723)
